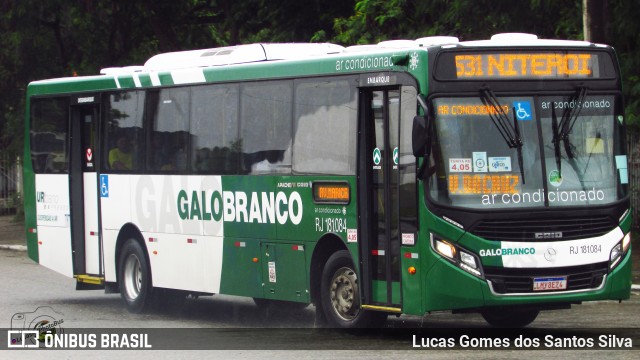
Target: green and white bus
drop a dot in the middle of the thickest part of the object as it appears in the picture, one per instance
(398, 178)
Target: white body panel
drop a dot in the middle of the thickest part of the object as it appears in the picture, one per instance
(185, 262)
(54, 249)
(563, 253)
(109, 239)
(91, 229)
(116, 207)
(184, 254)
(53, 226)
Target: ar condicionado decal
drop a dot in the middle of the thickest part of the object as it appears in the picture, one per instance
(235, 206)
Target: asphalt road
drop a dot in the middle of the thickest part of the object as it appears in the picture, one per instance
(239, 325)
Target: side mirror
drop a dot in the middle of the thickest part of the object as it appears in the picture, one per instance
(419, 135)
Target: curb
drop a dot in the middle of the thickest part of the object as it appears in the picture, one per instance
(14, 247)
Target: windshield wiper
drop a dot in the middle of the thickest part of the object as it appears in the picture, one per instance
(510, 133)
(519, 143)
(569, 118)
(562, 130)
(556, 139)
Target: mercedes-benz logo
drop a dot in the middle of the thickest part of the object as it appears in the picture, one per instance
(550, 254)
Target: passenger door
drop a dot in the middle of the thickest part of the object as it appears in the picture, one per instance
(83, 187)
(379, 207)
(388, 201)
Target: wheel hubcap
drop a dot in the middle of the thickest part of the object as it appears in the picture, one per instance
(344, 294)
(132, 277)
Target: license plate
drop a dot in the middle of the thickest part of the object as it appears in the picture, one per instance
(550, 283)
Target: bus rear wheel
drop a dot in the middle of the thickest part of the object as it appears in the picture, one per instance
(510, 318)
(134, 276)
(340, 295)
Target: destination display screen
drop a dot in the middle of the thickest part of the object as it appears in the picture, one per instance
(331, 192)
(512, 65)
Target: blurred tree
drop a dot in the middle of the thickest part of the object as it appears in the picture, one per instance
(376, 20)
(625, 28)
(56, 38)
(595, 21)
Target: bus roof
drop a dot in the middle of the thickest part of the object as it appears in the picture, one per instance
(283, 59)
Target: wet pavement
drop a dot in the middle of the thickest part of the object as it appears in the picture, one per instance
(11, 232)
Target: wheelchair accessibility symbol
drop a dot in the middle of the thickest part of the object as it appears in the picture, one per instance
(523, 110)
(104, 185)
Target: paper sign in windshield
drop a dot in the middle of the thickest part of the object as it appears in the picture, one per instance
(479, 162)
(459, 165)
(500, 164)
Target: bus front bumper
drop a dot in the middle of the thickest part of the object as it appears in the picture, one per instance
(456, 289)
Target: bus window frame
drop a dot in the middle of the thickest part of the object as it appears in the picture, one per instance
(475, 213)
(403, 78)
(105, 148)
(67, 146)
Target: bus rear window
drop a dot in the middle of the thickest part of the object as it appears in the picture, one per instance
(50, 135)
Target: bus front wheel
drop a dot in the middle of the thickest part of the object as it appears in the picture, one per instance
(134, 276)
(340, 296)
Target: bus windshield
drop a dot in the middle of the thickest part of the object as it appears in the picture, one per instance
(524, 152)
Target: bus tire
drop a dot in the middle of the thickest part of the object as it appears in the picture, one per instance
(509, 318)
(340, 295)
(134, 276)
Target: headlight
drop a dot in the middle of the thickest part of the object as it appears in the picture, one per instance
(619, 251)
(445, 249)
(615, 256)
(626, 242)
(462, 258)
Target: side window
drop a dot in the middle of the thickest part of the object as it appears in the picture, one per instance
(50, 135)
(169, 130)
(265, 127)
(123, 134)
(214, 129)
(325, 127)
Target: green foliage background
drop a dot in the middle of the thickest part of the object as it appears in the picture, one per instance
(57, 38)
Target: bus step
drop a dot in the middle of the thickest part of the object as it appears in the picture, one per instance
(90, 279)
(382, 308)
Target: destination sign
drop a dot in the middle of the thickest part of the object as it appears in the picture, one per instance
(524, 65)
(518, 65)
(331, 192)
